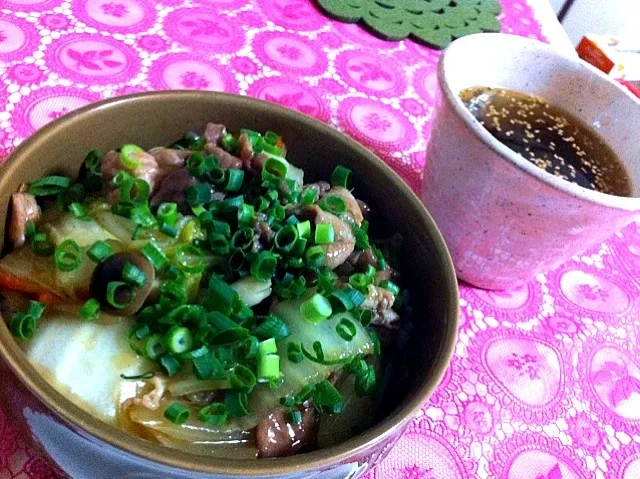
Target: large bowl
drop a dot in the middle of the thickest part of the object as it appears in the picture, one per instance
(83, 446)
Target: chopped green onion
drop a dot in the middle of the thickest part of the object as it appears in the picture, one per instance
(229, 143)
(286, 238)
(78, 210)
(382, 263)
(366, 315)
(219, 244)
(242, 379)
(333, 204)
(119, 294)
(362, 239)
(168, 213)
(220, 296)
(278, 212)
(287, 401)
(304, 395)
(295, 416)
(356, 297)
(49, 185)
(215, 413)
(194, 141)
(263, 265)
(122, 209)
(169, 230)
(390, 286)
(41, 245)
(207, 367)
(30, 229)
(198, 194)
(242, 239)
(325, 233)
(261, 203)
(304, 229)
(365, 382)
(271, 138)
(294, 353)
(172, 294)
(171, 272)
(327, 281)
(92, 161)
(170, 365)
(133, 275)
(177, 413)
(179, 339)
(196, 164)
(90, 310)
(370, 273)
(121, 177)
(222, 228)
(35, 308)
(128, 154)
(142, 332)
(236, 260)
(216, 175)
(246, 215)
(268, 367)
(292, 220)
(135, 191)
(234, 179)
(359, 281)
(68, 256)
(268, 346)
(234, 202)
(346, 329)
(274, 170)
(309, 196)
(237, 403)
(23, 325)
(272, 327)
(155, 255)
(190, 259)
(314, 256)
(327, 399)
(154, 346)
(198, 210)
(316, 309)
(341, 176)
(341, 301)
(299, 248)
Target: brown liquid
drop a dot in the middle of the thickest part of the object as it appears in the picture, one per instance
(548, 137)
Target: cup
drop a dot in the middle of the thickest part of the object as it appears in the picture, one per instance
(504, 219)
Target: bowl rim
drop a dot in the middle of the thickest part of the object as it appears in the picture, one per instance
(631, 203)
(79, 419)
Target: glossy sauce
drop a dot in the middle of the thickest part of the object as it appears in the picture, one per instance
(549, 137)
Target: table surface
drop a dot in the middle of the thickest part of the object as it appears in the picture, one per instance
(545, 382)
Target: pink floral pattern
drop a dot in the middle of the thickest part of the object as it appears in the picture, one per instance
(545, 381)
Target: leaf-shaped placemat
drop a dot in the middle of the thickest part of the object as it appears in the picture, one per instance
(435, 22)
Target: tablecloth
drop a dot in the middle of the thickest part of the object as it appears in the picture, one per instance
(545, 382)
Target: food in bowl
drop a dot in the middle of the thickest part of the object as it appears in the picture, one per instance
(548, 137)
(204, 297)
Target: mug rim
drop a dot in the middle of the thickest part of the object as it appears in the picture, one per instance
(626, 203)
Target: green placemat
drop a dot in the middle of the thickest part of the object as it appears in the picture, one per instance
(435, 22)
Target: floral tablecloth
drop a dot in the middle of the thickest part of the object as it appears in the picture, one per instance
(545, 382)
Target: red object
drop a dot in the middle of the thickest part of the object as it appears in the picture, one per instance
(630, 86)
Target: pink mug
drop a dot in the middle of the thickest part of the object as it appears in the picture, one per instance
(504, 219)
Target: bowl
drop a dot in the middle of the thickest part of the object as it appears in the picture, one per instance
(83, 446)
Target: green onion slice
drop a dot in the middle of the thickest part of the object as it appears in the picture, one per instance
(68, 256)
(49, 185)
(177, 413)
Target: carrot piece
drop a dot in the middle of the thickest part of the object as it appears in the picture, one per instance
(13, 283)
(48, 298)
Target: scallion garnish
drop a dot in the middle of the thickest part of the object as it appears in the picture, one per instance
(327, 399)
(49, 185)
(177, 413)
(167, 213)
(390, 286)
(90, 310)
(272, 327)
(128, 156)
(341, 176)
(78, 210)
(215, 413)
(286, 238)
(333, 204)
(179, 340)
(138, 377)
(234, 179)
(237, 403)
(133, 275)
(325, 233)
(314, 256)
(346, 329)
(196, 164)
(199, 194)
(294, 353)
(263, 266)
(268, 367)
(242, 378)
(155, 255)
(246, 215)
(170, 365)
(190, 259)
(41, 245)
(68, 256)
(119, 294)
(309, 196)
(315, 309)
(304, 229)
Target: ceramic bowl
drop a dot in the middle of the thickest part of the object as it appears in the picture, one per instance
(504, 219)
(81, 445)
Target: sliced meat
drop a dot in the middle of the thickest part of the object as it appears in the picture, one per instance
(154, 166)
(24, 207)
(387, 319)
(321, 188)
(226, 159)
(337, 252)
(172, 189)
(276, 437)
(352, 204)
(213, 132)
(381, 300)
(245, 151)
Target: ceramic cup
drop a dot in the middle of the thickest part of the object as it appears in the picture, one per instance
(504, 219)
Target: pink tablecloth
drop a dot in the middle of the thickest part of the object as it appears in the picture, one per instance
(545, 383)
